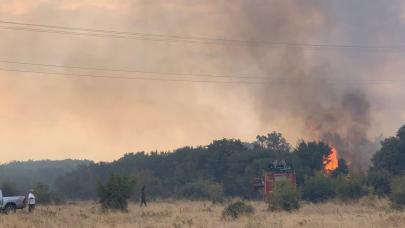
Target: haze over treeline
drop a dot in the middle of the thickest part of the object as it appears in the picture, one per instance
(225, 167)
(25, 175)
(222, 169)
(343, 85)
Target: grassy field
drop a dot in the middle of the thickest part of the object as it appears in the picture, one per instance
(365, 213)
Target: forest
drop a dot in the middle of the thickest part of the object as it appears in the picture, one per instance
(223, 169)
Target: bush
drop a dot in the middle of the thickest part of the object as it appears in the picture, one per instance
(116, 192)
(318, 189)
(380, 181)
(397, 196)
(349, 189)
(284, 197)
(42, 193)
(236, 209)
(44, 196)
(202, 190)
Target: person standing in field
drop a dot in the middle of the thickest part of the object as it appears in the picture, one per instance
(143, 196)
(31, 201)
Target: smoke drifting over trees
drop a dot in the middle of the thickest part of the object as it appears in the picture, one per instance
(303, 81)
(311, 91)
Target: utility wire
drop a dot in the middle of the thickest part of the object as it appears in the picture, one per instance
(265, 83)
(127, 78)
(186, 39)
(131, 71)
(263, 78)
(183, 74)
(107, 31)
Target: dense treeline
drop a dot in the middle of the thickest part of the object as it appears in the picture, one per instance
(225, 167)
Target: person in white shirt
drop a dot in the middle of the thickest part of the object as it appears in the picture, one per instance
(31, 201)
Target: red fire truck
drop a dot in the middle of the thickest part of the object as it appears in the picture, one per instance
(278, 171)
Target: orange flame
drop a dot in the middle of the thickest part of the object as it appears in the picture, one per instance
(331, 162)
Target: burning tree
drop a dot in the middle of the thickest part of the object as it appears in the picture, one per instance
(310, 158)
(331, 161)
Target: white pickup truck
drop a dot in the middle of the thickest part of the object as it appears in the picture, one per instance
(9, 204)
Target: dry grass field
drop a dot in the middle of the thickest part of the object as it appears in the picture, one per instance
(366, 213)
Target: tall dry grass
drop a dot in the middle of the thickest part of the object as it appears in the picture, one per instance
(365, 213)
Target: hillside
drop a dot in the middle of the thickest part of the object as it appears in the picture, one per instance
(24, 174)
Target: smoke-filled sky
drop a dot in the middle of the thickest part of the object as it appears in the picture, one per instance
(347, 90)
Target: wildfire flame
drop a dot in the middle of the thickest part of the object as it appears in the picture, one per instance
(331, 162)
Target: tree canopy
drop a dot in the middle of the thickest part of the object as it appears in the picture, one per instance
(225, 167)
(391, 156)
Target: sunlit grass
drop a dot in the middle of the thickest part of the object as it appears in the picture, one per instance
(365, 213)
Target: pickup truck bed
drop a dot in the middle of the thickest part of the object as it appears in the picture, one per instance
(11, 203)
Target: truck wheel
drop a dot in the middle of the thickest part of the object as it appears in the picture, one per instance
(10, 209)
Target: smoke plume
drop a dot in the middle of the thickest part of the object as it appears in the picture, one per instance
(304, 82)
(312, 89)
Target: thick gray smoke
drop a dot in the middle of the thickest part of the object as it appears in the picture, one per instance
(309, 92)
(304, 84)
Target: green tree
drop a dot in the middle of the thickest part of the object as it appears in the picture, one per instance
(318, 189)
(274, 142)
(380, 181)
(308, 159)
(391, 156)
(349, 188)
(43, 194)
(116, 192)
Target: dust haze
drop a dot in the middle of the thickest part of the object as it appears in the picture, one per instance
(308, 92)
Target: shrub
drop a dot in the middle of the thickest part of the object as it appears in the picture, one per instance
(397, 196)
(380, 181)
(202, 190)
(349, 189)
(318, 189)
(284, 197)
(42, 193)
(45, 196)
(115, 193)
(236, 209)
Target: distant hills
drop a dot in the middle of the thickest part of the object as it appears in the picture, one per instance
(25, 174)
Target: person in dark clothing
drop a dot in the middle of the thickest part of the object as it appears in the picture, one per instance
(143, 196)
